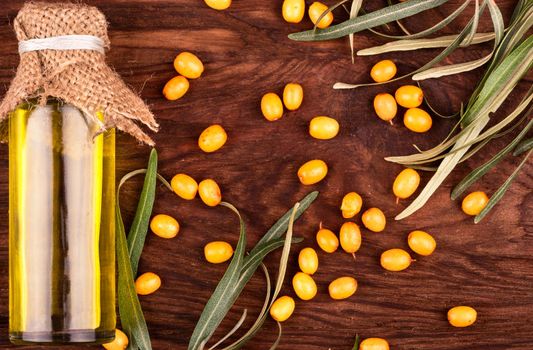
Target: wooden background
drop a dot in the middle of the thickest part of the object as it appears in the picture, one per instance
(246, 53)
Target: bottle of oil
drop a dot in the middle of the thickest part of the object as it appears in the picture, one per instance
(61, 227)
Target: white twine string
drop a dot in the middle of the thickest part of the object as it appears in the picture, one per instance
(63, 42)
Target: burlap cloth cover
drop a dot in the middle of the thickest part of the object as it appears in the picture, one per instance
(79, 77)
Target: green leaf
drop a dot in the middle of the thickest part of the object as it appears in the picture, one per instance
(237, 344)
(219, 304)
(356, 343)
(325, 13)
(473, 32)
(497, 87)
(417, 44)
(285, 253)
(430, 30)
(452, 69)
(433, 154)
(281, 277)
(482, 170)
(139, 227)
(523, 146)
(370, 20)
(501, 81)
(221, 300)
(233, 330)
(498, 195)
(398, 22)
(131, 315)
(280, 227)
(276, 343)
(442, 55)
(354, 11)
(515, 32)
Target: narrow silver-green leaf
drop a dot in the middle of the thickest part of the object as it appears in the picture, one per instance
(497, 196)
(221, 300)
(220, 303)
(280, 227)
(398, 22)
(356, 343)
(483, 169)
(131, 315)
(501, 81)
(439, 151)
(473, 31)
(444, 169)
(442, 55)
(276, 343)
(370, 20)
(513, 36)
(452, 69)
(325, 13)
(237, 344)
(523, 146)
(428, 31)
(232, 331)
(417, 44)
(285, 253)
(134, 173)
(354, 11)
(139, 227)
(497, 87)
(279, 283)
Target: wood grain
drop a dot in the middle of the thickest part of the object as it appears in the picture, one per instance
(246, 53)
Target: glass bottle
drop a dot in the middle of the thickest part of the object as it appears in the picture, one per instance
(61, 227)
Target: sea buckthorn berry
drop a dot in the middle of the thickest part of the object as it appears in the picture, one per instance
(147, 283)
(282, 308)
(184, 186)
(374, 219)
(374, 344)
(218, 4)
(327, 240)
(188, 65)
(304, 286)
(119, 343)
(406, 183)
(395, 260)
(350, 237)
(409, 96)
(312, 172)
(417, 120)
(342, 288)
(385, 106)
(218, 252)
(175, 88)
(323, 128)
(351, 205)
(474, 203)
(293, 95)
(383, 71)
(210, 192)
(462, 316)
(293, 10)
(421, 243)
(164, 226)
(308, 261)
(271, 106)
(212, 138)
(315, 10)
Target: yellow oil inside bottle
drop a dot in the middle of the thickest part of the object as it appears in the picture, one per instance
(61, 227)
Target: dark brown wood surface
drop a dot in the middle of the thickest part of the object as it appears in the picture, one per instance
(246, 54)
